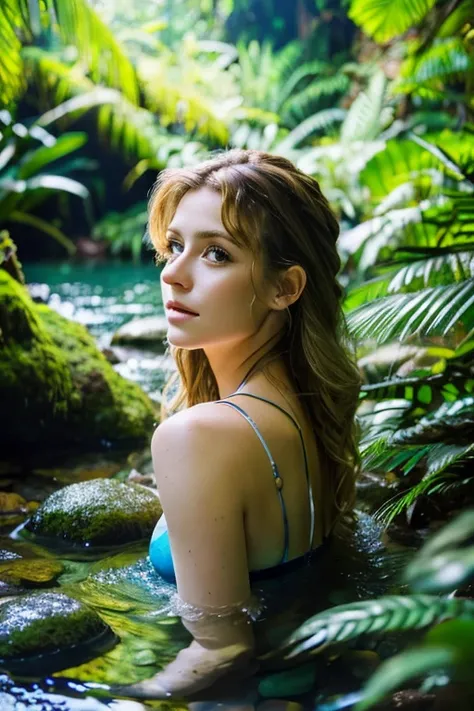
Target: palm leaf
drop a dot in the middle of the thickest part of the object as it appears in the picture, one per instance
(427, 312)
(385, 19)
(132, 130)
(13, 22)
(430, 484)
(182, 103)
(80, 26)
(379, 616)
(450, 266)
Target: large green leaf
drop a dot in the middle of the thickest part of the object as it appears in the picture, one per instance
(446, 561)
(35, 160)
(410, 664)
(58, 182)
(24, 218)
(385, 19)
(398, 612)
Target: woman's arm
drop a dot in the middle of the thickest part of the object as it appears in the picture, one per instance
(197, 472)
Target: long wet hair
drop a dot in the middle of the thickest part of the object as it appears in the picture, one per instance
(280, 214)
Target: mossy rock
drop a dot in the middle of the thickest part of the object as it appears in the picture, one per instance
(33, 573)
(61, 387)
(50, 623)
(100, 512)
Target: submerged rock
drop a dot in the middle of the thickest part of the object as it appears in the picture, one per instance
(30, 572)
(60, 387)
(100, 512)
(150, 331)
(40, 624)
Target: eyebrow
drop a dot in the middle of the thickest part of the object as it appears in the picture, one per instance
(207, 234)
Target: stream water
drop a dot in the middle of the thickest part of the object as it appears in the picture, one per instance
(139, 606)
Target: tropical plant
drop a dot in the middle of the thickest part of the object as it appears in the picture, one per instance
(418, 424)
(33, 166)
(24, 22)
(445, 653)
(124, 230)
(285, 83)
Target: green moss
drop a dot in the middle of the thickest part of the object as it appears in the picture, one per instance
(60, 385)
(116, 408)
(34, 375)
(97, 512)
(44, 622)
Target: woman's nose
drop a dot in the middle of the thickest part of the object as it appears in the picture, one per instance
(175, 272)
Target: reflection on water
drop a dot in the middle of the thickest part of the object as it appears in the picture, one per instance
(142, 610)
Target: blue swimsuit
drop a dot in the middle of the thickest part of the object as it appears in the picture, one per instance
(160, 550)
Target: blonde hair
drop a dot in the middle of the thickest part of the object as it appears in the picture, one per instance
(280, 214)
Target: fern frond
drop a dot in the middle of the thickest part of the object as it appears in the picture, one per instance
(447, 59)
(363, 120)
(451, 421)
(308, 69)
(442, 456)
(307, 101)
(379, 616)
(320, 121)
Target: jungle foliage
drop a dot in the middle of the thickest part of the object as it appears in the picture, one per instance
(375, 99)
(385, 124)
(444, 566)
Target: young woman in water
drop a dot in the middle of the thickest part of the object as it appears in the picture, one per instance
(255, 458)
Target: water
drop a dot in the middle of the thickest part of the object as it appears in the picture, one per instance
(103, 296)
(141, 608)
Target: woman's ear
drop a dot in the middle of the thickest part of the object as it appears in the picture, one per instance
(290, 286)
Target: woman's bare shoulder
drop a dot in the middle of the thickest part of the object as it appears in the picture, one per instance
(197, 428)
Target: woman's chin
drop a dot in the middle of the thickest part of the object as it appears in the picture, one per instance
(180, 340)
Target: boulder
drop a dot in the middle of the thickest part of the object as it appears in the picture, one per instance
(48, 629)
(100, 512)
(150, 331)
(60, 386)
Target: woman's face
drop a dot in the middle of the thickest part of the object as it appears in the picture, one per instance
(207, 273)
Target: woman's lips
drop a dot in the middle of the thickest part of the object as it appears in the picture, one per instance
(176, 315)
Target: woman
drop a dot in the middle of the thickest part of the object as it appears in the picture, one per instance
(257, 464)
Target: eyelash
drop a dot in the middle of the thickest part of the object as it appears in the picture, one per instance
(211, 248)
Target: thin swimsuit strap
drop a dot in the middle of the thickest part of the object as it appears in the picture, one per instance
(276, 475)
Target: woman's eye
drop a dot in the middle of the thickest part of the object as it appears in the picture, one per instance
(220, 254)
(174, 248)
